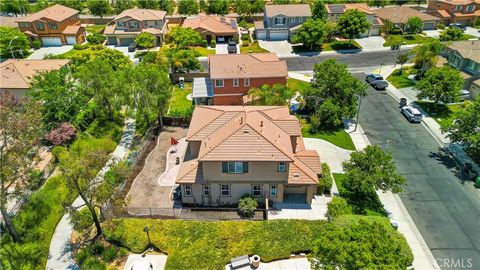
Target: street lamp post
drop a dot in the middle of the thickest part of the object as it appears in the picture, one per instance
(10, 46)
(399, 46)
(148, 235)
(380, 70)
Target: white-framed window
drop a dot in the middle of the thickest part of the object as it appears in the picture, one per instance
(235, 83)
(53, 25)
(458, 8)
(280, 20)
(470, 7)
(188, 190)
(218, 83)
(206, 190)
(273, 191)
(235, 167)
(225, 190)
(257, 190)
(282, 166)
(246, 82)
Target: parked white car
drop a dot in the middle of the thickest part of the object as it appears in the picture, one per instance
(412, 114)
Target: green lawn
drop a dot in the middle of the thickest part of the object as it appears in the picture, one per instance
(407, 39)
(180, 106)
(339, 138)
(339, 177)
(211, 245)
(330, 46)
(203, 51)
(297, 85)
(95, 28)
(467, 36)
(252, 48)
(443, 114)
(399, 78)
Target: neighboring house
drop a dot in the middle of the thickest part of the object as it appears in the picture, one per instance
(17, 74)
(465, 12)
(334, 11)
(211, 27)
(399, 16)
(54, 26)
(238, 150)
(281, 21)
(126, 26)
(465, 56)
(232, 75)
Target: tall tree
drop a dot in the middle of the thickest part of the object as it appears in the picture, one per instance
(402, 59)
(183, 59)
(12, 40)
(19, 132)
(166, 5)
(121, 5)
(188, 7)
(219, 7)
(451, 34)
(278, 95)
(311, 33)
(352, 24)
(184, 37)
(148, 4)
(98, 7)
(145, 40)
(414, 25)
(440, 85)
(387, 27)
(426, 55)
(17, 7)
(318, 10)
(75, 4)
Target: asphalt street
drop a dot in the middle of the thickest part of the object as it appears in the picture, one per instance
(446, 212)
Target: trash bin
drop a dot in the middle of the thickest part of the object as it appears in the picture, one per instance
(403, 102)
(255, 261)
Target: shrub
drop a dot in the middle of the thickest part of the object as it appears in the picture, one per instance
(245, 37)
(338, 206)
(440, 26)
(149, 57)
(145, 40)
(65, 133)
(81, 46)
(314, 124)
(109, 254)
(325, 182)
(235, 38)
(36, 44)
(213, 44)
(247, 205)
(204, 43)
(57, 152)
(243, 24)
(86, 116)
(93, 263)
(82, 219)
(451, 34)
(96, 38)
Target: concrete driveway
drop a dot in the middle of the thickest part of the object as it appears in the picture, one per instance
(433, 33)
(44, 51)
(472, 31)
(371, 43)
(281, 47)
(223, 49)
(124, 50)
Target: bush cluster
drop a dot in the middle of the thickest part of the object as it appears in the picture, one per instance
(247, 205)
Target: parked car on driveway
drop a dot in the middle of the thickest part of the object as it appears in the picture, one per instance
(132, 47)
(458, 26)
(376, 80)
(412, 114)
(232, 47)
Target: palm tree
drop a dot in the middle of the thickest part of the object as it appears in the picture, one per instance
(402, 59)
(426, 55)
(278, 94)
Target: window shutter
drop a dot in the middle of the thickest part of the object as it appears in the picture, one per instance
(245, 167)
(224, 167)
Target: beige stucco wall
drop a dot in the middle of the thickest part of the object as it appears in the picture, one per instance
(257, 171)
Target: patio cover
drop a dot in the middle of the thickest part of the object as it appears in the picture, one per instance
(202, 87)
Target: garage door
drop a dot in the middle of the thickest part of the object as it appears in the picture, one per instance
(261, 34)
(126, 41)
(374, 31)
(278, 35)
(51, 41)
(429, 26)
(71, 40)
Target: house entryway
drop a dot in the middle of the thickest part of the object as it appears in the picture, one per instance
(294, 194)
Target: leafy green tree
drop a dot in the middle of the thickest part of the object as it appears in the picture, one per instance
(188, 7)
(451, 34)
(145, 40)
(318, 10)
(148, 4)
(121, 5)
(332, 81)
(414, 25)
(219, 7)
(378, 3)
(75, 4)
(352, 24)
(246, 8)
(399, 2)
(311, 33)
(440, 85)
(184, 37)
(329, 114)
(98, 7)
(330, 28)
(278, 94)
(19, 42)
(466, 129)
(402, 59)
(61, 98)
(166, 5)
(96, 38)
(42, 4)
(202, 4)
(15, 6)
(116, 59)
(426, 55)
(387, 27)
(337, 207)
(183, 59)
(19, 133)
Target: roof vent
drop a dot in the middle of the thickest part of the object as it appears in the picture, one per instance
(245, 132)
(261, 123)
(296, 175)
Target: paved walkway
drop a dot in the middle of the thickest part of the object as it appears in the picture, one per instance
(140, 261)
(59, 255)
(371, 43)
(169, 176)
(44, 51)
(329, 153)
(316, 211)
(288, 264)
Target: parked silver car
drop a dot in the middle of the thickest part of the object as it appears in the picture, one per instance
(412, 114)
(376, 80)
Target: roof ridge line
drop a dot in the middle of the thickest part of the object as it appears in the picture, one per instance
(223, 112)
(281, 150)
(299, 167)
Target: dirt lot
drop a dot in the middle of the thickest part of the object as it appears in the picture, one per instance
(145, 191)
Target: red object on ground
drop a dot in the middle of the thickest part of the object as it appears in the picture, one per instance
(173, 141)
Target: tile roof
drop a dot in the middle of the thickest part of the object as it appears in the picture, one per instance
(467, 48)
(18, 73)
(458, 2)
(250, 133)
(253, 65)
(292, 10)
(72, 29)
(341, 8)
(56, 13)
(444, 13)
(400, 14)
(141, 14)
(215, 24)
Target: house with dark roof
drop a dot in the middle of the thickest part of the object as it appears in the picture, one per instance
(220, 29)
(334, 11)
(238, 150)
(54, 26)
(281, 21)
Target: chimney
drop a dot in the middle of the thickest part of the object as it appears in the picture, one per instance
(261, 123)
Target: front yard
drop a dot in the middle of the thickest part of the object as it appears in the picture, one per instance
(251, 48)
(297, 85)
(399, 77)
(338, 137)
(335, 45)
(443, 114)
(179, 105)
(394, 39)
(95, 28)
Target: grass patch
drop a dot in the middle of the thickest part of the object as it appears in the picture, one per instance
(341, 45)
(339, 137)
(467, 37)
(443, 114)
(180, 106)
(339, 178)
(203, 51)
(96, 28)
(252, 48)
(211, 245)
(297, 85)
(399, 78)
(407, 39)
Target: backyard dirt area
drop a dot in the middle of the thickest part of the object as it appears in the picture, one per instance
(146, 191)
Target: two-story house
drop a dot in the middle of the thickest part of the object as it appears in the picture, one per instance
(53, 26)
(220, 29)
(399, 16)
(232, 75)
(334, 11)
(238, 150)
(281, 21)
(127, 25)
(465, 12)
(465, 56)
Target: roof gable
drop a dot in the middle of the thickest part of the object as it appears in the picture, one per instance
(56, 13)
